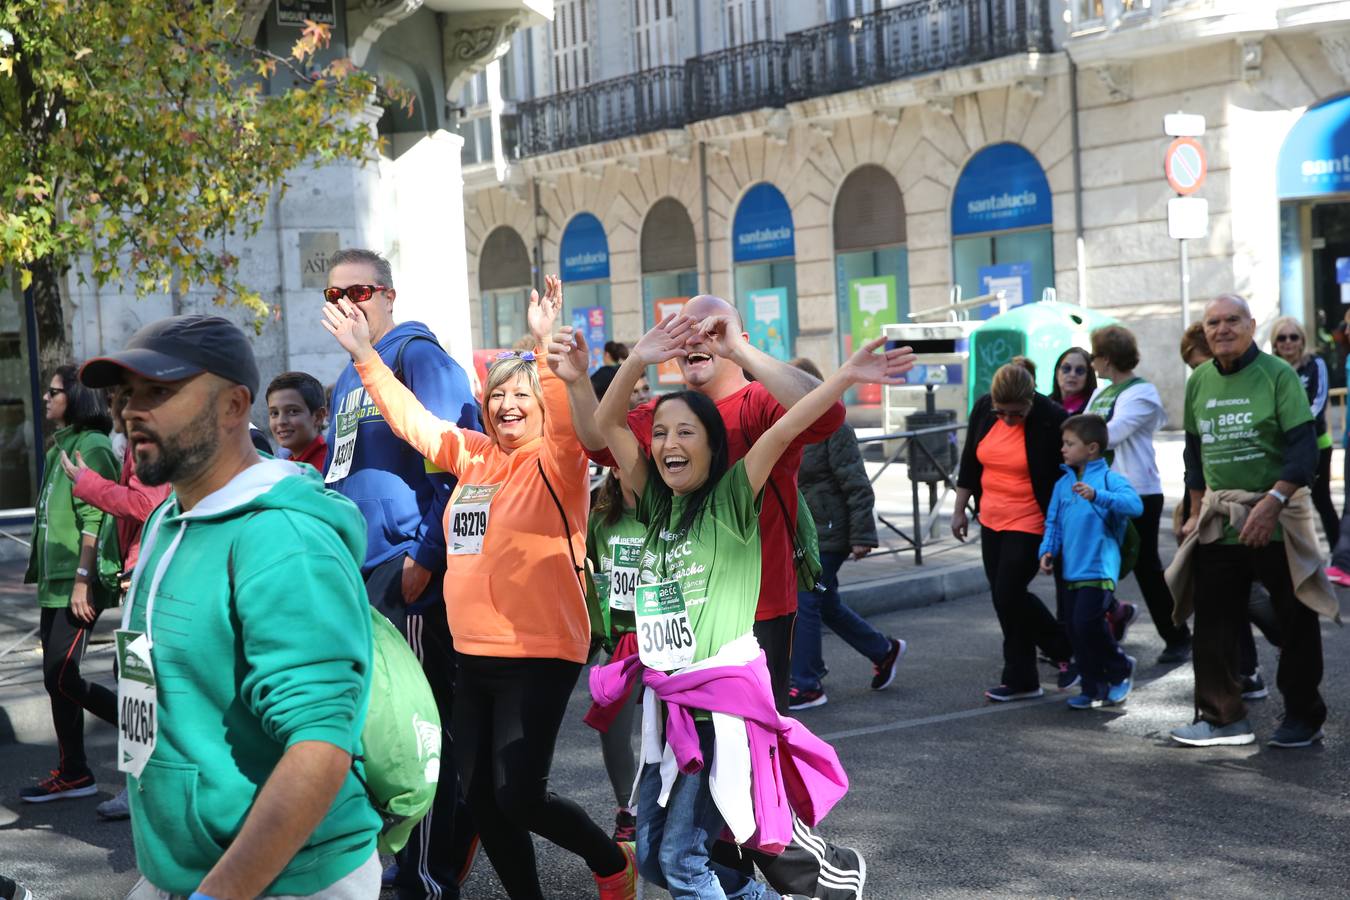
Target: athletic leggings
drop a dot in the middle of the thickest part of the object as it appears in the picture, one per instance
(616, 745)
(506, 720)
(1321, 497)
(64, 639)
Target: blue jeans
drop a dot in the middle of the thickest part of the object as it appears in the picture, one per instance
(673, 842)
(1100, 659)
(808, 666)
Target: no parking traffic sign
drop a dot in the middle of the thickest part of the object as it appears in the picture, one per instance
(1185, 165)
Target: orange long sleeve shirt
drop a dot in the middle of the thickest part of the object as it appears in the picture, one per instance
(519, 597)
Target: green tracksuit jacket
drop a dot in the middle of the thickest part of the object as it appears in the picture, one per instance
(260, 638)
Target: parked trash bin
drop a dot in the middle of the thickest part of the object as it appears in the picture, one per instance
(1039, 331)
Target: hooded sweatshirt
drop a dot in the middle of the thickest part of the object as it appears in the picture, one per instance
(401, 494)
(62, 519)
(260, 638)
(1085, 535)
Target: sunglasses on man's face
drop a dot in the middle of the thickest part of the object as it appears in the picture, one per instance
(1287, 338)
(357, 293)
(1068, 369)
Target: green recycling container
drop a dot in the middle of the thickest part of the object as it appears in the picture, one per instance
(1039, 331)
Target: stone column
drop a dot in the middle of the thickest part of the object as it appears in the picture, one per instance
(430, 260)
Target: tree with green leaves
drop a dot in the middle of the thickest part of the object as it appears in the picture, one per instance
(141, 134)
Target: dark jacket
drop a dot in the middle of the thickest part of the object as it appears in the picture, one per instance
(1043, 443)
(402, 497)
(834, 482)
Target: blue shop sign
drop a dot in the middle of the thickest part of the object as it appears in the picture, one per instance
(1002, 187)
(762, 228)
(585, 250)
(1315, 156)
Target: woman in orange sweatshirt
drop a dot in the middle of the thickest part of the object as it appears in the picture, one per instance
(514, 529)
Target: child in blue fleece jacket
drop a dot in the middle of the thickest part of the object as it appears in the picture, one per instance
(1084, 525)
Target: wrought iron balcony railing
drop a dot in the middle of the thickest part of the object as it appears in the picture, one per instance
(741, 78)
(634, 104)
(902, 41)
(907, 40)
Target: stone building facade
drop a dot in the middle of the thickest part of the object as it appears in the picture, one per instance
(925, 143)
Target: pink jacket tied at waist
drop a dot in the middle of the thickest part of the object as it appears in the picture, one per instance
(791, 770)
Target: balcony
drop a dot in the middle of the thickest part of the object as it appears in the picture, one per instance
(634, 104)
(738, 79)
(912, 39)
(902, 41)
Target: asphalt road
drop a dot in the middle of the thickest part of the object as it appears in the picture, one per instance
(951, 796)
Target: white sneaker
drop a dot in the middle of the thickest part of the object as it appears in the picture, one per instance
(115, 809)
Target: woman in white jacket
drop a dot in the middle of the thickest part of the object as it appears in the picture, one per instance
(1134, 411)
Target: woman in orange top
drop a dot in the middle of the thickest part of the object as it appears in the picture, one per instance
(514, 528)
(1010, 464)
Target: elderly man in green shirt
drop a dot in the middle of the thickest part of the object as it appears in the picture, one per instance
(1251, 455)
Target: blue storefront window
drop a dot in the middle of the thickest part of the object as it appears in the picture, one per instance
(1315, 156)
(1001, 216)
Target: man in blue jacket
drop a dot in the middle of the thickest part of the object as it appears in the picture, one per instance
(403, 499)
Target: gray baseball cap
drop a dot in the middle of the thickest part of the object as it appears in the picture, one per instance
(176, 348)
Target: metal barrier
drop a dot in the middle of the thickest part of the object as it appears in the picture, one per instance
(947, 478)
(16, 539)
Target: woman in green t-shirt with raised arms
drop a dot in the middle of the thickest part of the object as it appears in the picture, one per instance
(698, 582)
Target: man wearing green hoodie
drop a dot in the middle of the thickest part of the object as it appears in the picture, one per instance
(245, 644)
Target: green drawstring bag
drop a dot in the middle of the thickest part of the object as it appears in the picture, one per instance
(401, 739)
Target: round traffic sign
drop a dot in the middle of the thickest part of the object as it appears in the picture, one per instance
(1185, 165)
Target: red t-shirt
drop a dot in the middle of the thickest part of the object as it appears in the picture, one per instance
(316, 454)
(749, 413)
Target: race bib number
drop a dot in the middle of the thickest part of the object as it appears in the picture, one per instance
(624, 575)
(137, 720)
(344, 447)
(665, 640)
(469, 518)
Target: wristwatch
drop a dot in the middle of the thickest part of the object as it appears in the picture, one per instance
(1284, 501)
(82, 572)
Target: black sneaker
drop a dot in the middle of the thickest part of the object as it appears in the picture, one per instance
(60, 786)
(809, 699)
(1005, 694)
(1068, 675)
(1120, 622)
(1254, 687)
(883, 673)
(625, 826)
(1175, 653)
(1293, 733)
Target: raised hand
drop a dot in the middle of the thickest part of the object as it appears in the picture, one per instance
(869, 367)
(348, 324)
(544, 311)
(73, 469)
(717, 335)
(568, 355)
(666, 341)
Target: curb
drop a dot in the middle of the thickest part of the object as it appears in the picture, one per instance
(915, 590)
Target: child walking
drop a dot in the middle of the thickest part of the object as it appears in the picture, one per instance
(1084, 526)
(725, 758)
